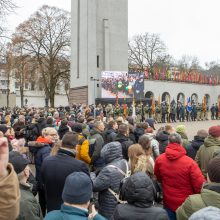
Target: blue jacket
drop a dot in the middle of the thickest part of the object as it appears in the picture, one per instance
(70, 213)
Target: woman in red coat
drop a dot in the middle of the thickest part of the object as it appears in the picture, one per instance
(179, 174)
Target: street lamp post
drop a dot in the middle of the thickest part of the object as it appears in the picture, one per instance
(95, 86)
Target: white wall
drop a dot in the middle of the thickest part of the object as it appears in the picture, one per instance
(38, 100)
(174, 88)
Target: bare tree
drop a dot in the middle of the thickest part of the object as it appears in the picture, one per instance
(46, 36)
(145, 50)
(189, 63)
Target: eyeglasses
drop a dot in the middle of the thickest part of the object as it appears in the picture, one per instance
(52, 134)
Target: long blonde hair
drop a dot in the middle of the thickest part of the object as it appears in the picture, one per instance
(55, 148)
(134, 152)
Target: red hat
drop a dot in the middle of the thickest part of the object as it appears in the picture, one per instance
(214, 131)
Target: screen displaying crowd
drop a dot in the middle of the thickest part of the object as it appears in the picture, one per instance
(122, 85)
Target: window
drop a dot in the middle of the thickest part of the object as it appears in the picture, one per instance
(97, 61)
(26, 85)
(32, 86)
(17, 85)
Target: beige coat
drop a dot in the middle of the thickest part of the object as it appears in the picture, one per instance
(9, 196)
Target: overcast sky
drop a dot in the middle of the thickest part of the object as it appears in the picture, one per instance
(188, 27)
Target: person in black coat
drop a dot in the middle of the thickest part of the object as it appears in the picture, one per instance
(41, 149)
(109, 178)
(122, 137)
(194, 146)
(139, 193)
(111, 132)
(162, 137)
(63, 129)
(56, 168)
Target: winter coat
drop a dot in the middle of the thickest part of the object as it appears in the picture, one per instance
(96, 159)
(209, 196)
(9, 195)
(41, 149)
(70, 213)
(194, 146)
(162, 138)
(206, 152)
(54, 170)
(212, 213)
(83, 150)
(154, 145)
(138, 191)
(29, 207)
(110, 135)
(125, 143)
(179, 174)
(109, 177)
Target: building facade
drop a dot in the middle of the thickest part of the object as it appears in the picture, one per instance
(99, 42)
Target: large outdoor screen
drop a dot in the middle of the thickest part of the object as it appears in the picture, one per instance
(122, 84)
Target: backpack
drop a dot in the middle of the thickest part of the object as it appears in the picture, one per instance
(119, 196)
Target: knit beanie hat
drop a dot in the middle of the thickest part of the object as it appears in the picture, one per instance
(18, 161)
(214, 131)
(77, 188)
(213, 170)
(181, 129)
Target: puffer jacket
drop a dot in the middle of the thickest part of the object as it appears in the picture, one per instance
(138, 191)
(194, 146)
(162, 138)
(109, 177)
(83, 150)
(180, 176)
(41, 149)
(206, 152)
(209, 196)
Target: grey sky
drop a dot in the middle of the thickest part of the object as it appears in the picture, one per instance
(186, 26)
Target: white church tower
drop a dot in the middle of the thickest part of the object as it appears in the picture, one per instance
(99, 42)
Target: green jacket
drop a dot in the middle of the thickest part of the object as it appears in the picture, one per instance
(206, 152)
(29, 207)
(193, 203)
(70, 213)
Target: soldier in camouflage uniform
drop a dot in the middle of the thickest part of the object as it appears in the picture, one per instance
(173, 112)
(146, 111)
(163, 112)
(199, 112)
(117, 111)
(138, 112)
(158, 114)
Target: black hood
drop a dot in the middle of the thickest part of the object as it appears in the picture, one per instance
(162, 136)
(110, 130)
(197, 142)
(121, 138)
(111, 152)
(138, 190)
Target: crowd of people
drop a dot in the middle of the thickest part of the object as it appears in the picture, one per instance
(101, 167)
